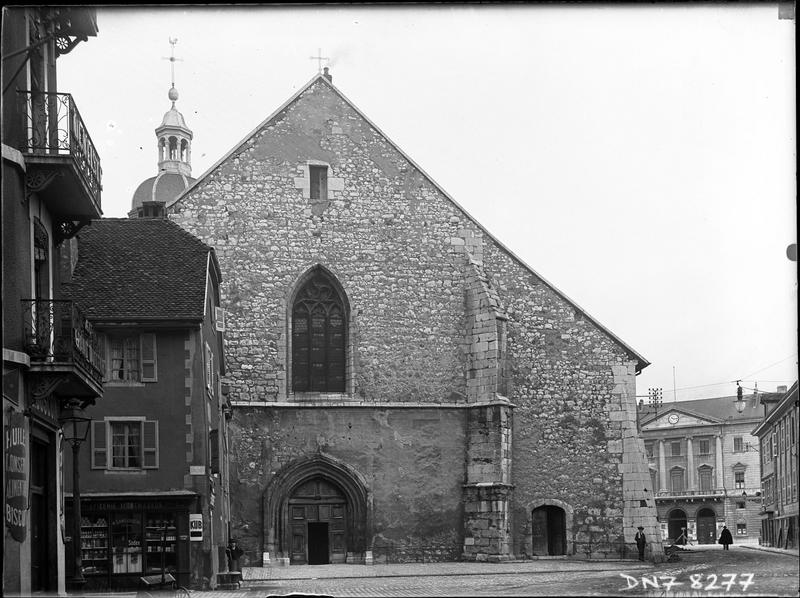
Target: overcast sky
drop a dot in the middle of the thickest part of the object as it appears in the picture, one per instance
(640, 159)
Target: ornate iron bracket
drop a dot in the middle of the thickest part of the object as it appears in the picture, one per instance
(45, 386)
(66, 229)
(37, 179)
(65, 44)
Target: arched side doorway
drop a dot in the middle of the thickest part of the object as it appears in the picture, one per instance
(550, 528)
(549, 531)
(676, 524)
(706, 526)
(316, 511)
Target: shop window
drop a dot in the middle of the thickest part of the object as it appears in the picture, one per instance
(161, 536)
(125, 443)
(741, 529)
(126, 543)
(94, 544)
(131, 357)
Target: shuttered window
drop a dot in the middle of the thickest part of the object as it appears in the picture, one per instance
(148, 353)
(130, 443)
(99, 445)
(318, 337)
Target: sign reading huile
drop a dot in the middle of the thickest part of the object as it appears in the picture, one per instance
(15, 475)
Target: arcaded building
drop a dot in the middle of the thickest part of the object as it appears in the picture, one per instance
(403, 386)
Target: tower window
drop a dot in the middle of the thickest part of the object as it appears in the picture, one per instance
(318, 176)
(318, 337)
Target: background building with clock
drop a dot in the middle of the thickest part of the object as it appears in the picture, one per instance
(704, 467)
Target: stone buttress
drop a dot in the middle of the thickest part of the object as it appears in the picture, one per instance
(487, 491)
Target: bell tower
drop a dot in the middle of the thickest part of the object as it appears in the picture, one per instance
(174, 137)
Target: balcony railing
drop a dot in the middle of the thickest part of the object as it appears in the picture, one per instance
(54, 127)
(57, 332)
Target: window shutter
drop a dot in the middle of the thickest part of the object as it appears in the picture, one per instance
(99, 445)
(213, 440)
(150, 444)
(219, 319)
(209, 368)
(148, 354)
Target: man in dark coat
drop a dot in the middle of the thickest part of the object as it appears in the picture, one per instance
(234, 553)
(725, 537)
(641, 541)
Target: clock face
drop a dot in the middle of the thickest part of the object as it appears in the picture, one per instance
(673, 419)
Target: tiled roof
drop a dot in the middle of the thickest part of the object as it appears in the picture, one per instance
(139, 269)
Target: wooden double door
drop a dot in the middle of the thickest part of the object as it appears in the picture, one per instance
(317, 517)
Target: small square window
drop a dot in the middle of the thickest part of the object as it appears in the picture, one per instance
(741, 529)
(741, 505)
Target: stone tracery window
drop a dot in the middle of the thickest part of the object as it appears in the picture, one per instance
(319, 320)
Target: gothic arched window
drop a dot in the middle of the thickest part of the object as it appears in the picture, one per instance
(319, 319)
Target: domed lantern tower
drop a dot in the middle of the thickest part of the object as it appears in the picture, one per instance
(174, 160)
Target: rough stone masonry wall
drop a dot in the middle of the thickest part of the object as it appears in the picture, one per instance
(411, 458)
(396, 245)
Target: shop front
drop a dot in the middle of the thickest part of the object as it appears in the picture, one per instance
(125, 538)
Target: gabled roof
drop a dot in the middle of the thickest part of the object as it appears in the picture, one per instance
(140, 269)
(321, 78)
(714, 410)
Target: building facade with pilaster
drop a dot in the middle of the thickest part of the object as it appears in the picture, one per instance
(704, 468)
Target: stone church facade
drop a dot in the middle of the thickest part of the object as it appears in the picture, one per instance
(403, 386)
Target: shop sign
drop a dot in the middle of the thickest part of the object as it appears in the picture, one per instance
(16, 467)
(195, 527)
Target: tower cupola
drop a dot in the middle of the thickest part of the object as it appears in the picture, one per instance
(174, 147)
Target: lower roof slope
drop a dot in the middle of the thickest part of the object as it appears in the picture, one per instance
(140, 269)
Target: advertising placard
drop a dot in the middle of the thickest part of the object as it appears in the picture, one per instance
(16, 468)
(195, 527)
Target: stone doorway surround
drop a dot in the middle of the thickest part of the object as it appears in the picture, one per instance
(527, 539)
(358, 518)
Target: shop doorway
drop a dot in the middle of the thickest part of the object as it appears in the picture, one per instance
(549, 531)
(676, 525)
(706, 526)
(40, 531)
(318, 513)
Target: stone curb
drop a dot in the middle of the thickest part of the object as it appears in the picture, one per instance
(422, 572)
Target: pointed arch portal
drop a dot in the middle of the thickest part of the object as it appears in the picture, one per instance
(316, 512)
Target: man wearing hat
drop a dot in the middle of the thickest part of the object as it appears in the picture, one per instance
(640, 542)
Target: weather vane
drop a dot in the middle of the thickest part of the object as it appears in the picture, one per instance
(319, 58)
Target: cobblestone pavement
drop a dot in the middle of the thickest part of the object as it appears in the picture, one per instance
(701, 571)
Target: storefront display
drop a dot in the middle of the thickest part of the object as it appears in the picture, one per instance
(124, 540)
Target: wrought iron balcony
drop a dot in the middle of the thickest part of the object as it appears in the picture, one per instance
(57, 144)
(61, 342)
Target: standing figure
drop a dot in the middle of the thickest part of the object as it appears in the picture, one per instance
(725, 537)
(641, 541)
(234, 553)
